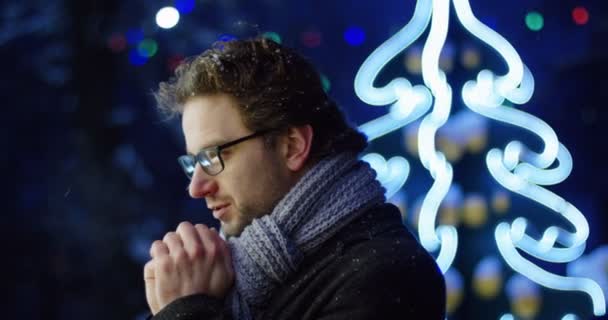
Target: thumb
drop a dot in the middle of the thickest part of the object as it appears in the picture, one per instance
(150, 281)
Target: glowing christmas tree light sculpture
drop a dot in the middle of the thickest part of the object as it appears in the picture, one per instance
(517, 168)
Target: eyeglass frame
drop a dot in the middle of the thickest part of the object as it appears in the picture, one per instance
(218, 150)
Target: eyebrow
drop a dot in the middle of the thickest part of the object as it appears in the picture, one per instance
(213, 143)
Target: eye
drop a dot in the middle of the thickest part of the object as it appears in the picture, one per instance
(225, 153)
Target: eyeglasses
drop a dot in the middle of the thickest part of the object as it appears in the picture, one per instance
(210, 158)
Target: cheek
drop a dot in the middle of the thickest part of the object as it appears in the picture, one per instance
(242, 181)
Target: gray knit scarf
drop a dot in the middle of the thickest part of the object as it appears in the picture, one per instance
(330, 195)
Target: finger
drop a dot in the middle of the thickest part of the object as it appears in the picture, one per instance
(149, 271)
(191, 240)
(173, 242)
(225, 253)
(150, 284)
(209, 243)
(158, 248)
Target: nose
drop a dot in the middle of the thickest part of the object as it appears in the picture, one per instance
(202, 185)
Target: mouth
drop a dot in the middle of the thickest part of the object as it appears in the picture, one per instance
(220, 210)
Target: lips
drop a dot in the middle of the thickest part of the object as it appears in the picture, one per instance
(219, 211)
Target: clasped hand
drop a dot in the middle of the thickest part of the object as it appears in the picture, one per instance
(192, 260)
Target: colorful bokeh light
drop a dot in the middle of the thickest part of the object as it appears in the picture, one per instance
(535, 21)
(117, 42)
(184, 6)
(167, 17)
(272, 36)
(580, 15)
(136, 59)
(354, 36)
(147, 48)
(311, 39)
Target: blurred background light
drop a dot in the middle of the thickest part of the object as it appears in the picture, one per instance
(184, 6)
(147, 48)
(226, 37)
(354, 36)
(524, 296)
(454, 284)
(173, 61)
(167, 17)
(535, 21)
(135, 58)
(488, 278)
(325, 83)
(272, 36)
(580, 15)
(311, 39)
(117, 42)
(470, 57)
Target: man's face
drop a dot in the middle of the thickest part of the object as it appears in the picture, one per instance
(255, 176)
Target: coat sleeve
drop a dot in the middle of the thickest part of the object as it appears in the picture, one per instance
(193, 307)
(382, 284)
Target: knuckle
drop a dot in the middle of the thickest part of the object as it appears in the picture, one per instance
(198, 251)
(149, 268)
(181, 257)
(202, 228)
(164, 264)
(154, 245)
(212, 250)
(169, 236)
(184, 225)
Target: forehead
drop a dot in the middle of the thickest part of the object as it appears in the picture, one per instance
(210, 120)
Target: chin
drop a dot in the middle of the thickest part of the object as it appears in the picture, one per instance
(231, 231)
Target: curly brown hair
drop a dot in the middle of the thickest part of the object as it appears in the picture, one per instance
(274, 88)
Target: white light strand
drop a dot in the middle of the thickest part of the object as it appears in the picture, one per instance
(517, 168)
(523, 171)
(410, 103)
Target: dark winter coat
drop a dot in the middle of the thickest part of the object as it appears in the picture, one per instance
(373, 268)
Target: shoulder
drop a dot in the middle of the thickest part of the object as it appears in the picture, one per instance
(379, 270)
(393, 274)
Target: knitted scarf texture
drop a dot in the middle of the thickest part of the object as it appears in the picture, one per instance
(331, 194)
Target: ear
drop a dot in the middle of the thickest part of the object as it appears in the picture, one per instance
(297, 147)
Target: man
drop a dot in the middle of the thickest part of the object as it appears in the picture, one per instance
(305, 230)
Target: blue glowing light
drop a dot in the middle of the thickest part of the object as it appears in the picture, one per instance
(409, 103)
(354, 36)
(392, 174)
(184, 6)
(524, 171)
(517, 168)
(226, 37)
(137, 59)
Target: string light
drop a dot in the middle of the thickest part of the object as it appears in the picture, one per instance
(409, 103)
(516, 167)
(523, 171)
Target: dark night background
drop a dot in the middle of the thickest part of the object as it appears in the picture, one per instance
(91, 170)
